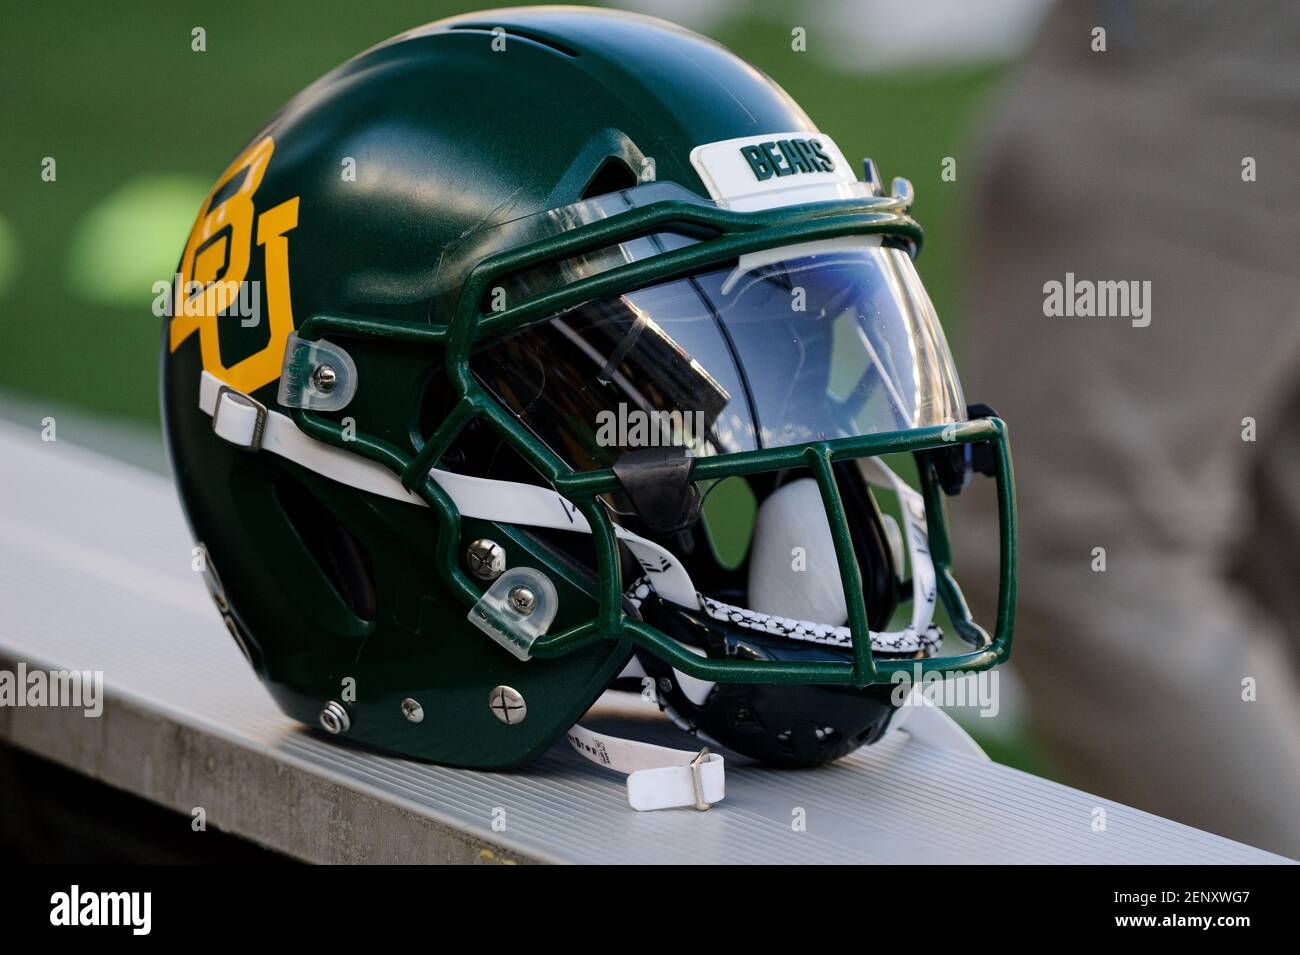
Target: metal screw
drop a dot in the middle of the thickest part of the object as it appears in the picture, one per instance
(412, 710)
(334, 718)
(507, 705)
(324, 378)
(523, 600)
(486, 558)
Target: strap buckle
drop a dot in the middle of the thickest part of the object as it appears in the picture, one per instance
(658, 483)
(244, 422)
(697, 781)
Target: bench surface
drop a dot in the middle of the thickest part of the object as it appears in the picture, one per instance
(95, 575)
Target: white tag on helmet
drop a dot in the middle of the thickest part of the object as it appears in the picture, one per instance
(775, 169)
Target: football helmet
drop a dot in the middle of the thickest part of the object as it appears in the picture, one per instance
(534, 352)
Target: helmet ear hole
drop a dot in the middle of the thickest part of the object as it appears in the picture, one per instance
(337, 553)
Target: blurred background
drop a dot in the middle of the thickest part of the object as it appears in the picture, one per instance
(1044, 131)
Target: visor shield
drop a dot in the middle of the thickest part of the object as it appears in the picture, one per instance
(824, 340)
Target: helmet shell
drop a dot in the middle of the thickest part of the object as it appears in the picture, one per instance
(343, 202)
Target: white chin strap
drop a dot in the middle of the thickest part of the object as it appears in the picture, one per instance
(657, 777)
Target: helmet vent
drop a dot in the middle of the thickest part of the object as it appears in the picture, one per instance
(337, 553)
(612, 176)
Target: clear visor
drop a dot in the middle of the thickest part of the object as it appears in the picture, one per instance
(828, 339)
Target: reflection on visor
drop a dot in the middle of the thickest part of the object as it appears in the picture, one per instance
(823, 340)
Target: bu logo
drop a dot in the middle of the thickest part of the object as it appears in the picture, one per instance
(216, 263)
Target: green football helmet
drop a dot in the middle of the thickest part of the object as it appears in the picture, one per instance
(537, 352)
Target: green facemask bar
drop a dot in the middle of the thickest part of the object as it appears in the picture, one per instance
(723, 235)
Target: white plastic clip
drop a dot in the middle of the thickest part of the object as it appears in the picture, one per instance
(516, 610)
(317, 375)
(238, 418)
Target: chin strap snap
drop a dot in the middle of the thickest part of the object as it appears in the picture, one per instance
(657, 777)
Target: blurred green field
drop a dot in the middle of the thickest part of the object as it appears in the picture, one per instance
(139, 126)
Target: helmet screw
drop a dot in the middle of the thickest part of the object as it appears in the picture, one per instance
(324, 378)
(507, 705)
(486, 558)
(334, 718)
(412, 710)
(523, 600)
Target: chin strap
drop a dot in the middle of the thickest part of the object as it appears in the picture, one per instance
(657, 777)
